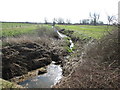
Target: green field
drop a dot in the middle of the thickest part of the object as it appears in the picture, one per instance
(84, 31)
(12, 29)
(88, 30)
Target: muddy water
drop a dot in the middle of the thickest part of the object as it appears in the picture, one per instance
(53, 75)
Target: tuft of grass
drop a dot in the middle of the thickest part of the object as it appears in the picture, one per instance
(67, 44)
(69, 50)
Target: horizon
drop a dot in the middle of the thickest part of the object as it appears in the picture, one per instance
(75, 10)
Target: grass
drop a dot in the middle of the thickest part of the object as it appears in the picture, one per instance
(7, 25)
(7, 84)
(82, 31)
(67, 46)
(13, 29)
(85, 31)
(17, 31)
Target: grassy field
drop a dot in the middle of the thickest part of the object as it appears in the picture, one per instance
(84, 31)
(12, 29)
(88, 30)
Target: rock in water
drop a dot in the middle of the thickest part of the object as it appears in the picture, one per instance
(42, 71)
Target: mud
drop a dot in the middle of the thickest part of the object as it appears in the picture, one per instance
(21, 58)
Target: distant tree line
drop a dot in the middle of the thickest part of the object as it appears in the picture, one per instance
(93, 20)
(19, 22)
(58, 21)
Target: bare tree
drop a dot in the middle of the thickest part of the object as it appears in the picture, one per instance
(60, 21)
(80, 21)
(45, 20)
(95, 17)
(85, 21)
(68, 21)
(110, 19)
(54, 21)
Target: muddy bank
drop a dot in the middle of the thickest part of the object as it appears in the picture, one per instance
(19, 59)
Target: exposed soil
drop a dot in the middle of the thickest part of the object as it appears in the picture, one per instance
(18, 59)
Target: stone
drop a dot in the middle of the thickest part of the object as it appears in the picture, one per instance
(42, 71)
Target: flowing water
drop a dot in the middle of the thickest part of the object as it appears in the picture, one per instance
(63, 36)
(53, 75)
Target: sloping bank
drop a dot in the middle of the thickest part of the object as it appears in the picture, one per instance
(20, 58)
(99, 68)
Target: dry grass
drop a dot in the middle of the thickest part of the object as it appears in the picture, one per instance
(24, 39)
(99, 68)
(42, 35)
(106, 50)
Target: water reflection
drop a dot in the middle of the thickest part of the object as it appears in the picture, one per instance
(53, 75)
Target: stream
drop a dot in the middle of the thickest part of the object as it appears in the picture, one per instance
(63, 36)
(47, 80)
(53, 75)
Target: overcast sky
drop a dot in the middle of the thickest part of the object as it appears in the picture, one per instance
(37, 10)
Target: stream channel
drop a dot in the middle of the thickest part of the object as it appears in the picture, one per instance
(53, 75)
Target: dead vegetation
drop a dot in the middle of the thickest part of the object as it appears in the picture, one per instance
(99, 68)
